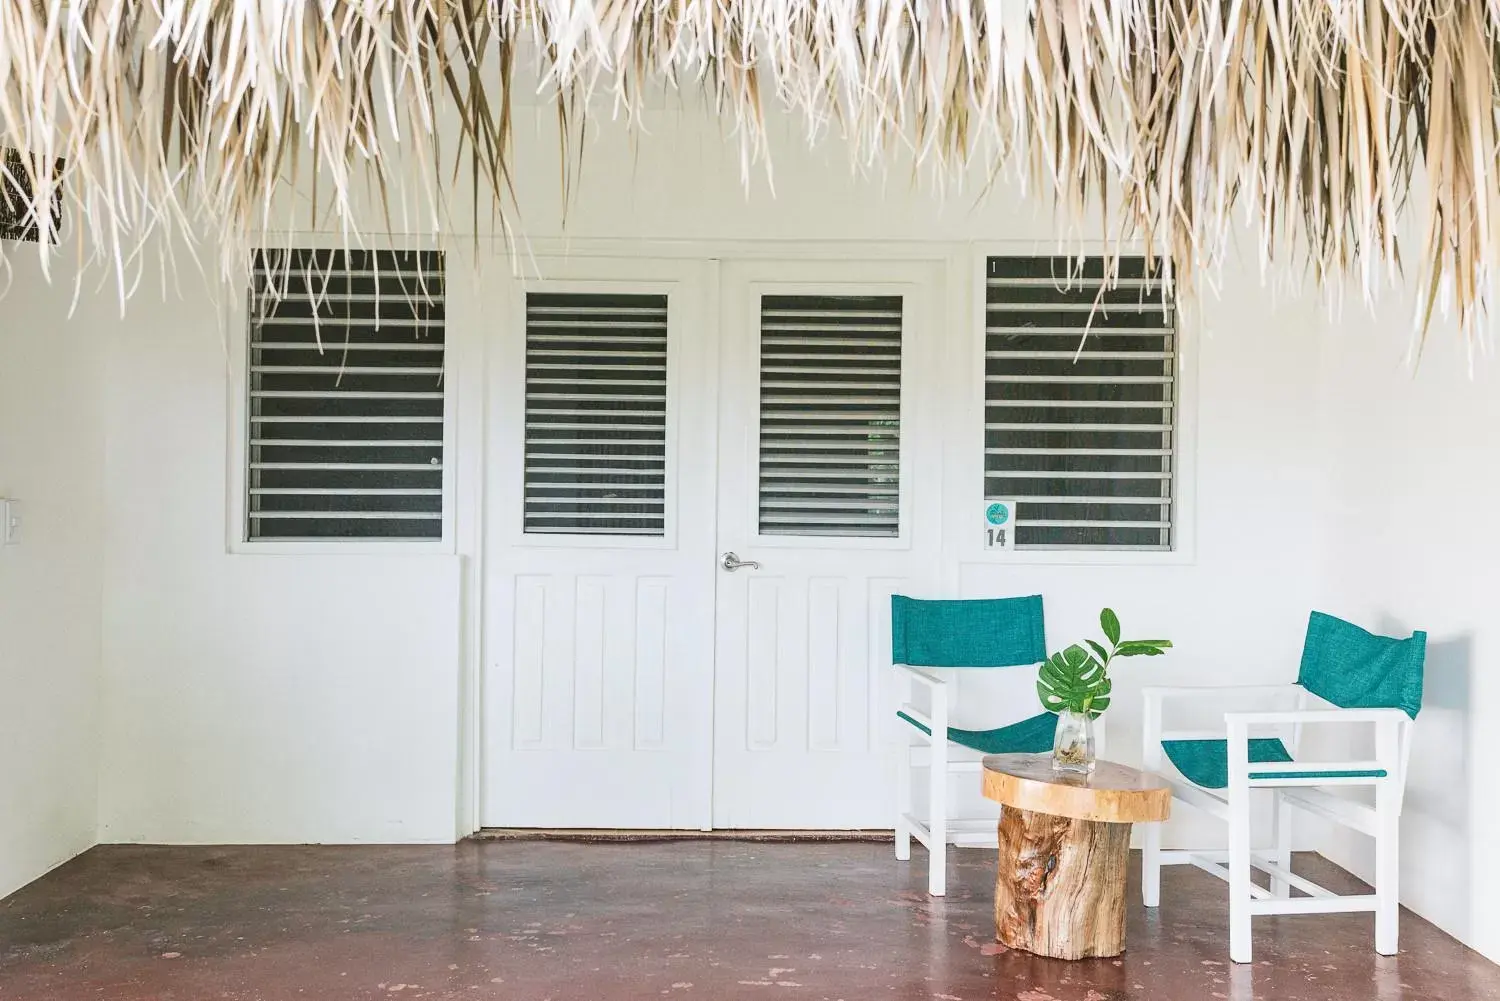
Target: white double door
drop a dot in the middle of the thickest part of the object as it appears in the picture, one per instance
(631, 680)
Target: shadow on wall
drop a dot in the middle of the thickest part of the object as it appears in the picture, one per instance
(1438, 783)
(1438, 808)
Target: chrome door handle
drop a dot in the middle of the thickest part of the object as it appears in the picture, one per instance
(732, 562)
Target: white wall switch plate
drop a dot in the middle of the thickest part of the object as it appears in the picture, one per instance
(10, 522)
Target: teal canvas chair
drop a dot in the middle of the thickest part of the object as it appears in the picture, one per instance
(927, 639)
(1349, 678)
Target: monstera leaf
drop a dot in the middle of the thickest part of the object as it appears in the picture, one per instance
(1075, 680)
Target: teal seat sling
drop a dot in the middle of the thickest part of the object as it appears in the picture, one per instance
(975, 633)
(1342, 664)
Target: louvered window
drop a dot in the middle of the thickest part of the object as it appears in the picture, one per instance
(1080, 403)
(596, 413)
(345, 395)
(830, 415)
(17, 221)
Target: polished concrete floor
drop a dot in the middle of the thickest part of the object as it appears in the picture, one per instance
(527, 921)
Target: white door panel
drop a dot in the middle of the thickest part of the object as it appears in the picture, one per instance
(599, 647)
(607, 703)
(801, 738)
(802, 734)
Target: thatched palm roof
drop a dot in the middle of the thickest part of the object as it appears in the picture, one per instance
(1313, 118)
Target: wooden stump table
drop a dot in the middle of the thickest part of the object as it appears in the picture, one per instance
(1064, 848)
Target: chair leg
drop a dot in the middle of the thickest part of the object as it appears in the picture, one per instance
(1387, 869)
(1239, 871)
(1151, 864)
(937, 820)
(903, 801)
(1281, 821)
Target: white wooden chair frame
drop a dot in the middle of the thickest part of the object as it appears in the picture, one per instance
(942, 757)
(1290, 788)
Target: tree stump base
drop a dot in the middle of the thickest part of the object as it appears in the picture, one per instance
(1064, 845)
(1060, 891)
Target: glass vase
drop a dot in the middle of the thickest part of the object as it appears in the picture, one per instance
(1073, 745)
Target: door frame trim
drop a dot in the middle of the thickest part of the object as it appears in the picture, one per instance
(761, 275)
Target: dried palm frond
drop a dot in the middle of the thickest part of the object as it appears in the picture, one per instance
(1322, 121)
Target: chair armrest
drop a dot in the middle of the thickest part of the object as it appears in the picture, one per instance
(1159, 693)
(1388, 750)
(932, 681)
(1248, 719)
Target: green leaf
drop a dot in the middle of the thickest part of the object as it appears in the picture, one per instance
(1139, 648)
(1050, 700)
(1099, 651)
(1110, 623)
(1072, 679)
(1055, 670)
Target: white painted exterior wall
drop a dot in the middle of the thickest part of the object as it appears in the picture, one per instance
(182, 663)
(51, 583)
(1413, 466)
(344, 697)
(254, 698)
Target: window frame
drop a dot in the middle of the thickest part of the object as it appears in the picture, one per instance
(864, 279)
(1184, 456)
(650, 282)
(235, 315)
(670, 400)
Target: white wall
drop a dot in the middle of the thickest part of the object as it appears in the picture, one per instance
(1413, 458)
(327, 698)
(50, 583)
(253, 699)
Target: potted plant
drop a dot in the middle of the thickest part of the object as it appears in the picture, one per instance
(1074, 683)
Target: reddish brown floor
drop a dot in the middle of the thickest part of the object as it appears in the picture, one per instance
(684, 920)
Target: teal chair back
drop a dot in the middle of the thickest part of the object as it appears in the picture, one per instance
(1354, 669)
(976, 632)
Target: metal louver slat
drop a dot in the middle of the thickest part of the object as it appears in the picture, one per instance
(351, 466)
(1076, 474)
(334, 394)
(545, 491)
(830, 415)
(322, 297)
(347, 491)
(332, 325)
(346, 396)
(1066, 306)
(1080, 401)
(344, 419)
(333, 347)
(1065, 281)
(1112, 380)
(585, 471)
(350, 515)
(596, 410)
(348, 370)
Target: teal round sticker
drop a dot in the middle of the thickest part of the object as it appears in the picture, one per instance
(997, 514)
